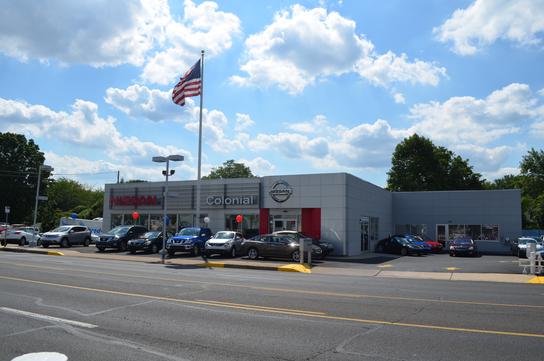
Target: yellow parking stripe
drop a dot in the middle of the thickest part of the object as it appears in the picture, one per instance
(285, 311)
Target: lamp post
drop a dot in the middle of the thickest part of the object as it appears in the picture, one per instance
(167, 173)
(45, 168)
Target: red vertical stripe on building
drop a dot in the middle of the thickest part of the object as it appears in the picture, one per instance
(311, 222)
(264, 214)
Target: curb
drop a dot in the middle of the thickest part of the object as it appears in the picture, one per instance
(35, 251)
(286, 268)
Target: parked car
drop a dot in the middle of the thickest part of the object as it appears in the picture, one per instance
(519, 248)
(463, 246)
(150, 242)
(190, 239)
(273, 246)
(418, 241)
(67, 236)
(119, 236)
(21, 235)
(224, 243)
(399, 245)
(326, 247)
(436, 246)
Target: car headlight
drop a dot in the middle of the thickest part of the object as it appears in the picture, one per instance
(147, 243)
(452, 247)
(470, 248)
(228, 243)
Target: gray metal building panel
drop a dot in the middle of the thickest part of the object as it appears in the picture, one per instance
(366, 200)
(502, 207)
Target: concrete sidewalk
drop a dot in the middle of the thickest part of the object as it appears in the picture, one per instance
(320, 269)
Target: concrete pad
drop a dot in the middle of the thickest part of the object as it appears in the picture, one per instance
(491, 277)
(416, 275)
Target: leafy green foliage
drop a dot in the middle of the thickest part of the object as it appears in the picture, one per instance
(419, 165)
(19, 162)
(230, 169)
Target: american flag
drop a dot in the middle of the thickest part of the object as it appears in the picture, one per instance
(189, 85)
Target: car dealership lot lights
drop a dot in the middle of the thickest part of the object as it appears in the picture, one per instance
(166, 173)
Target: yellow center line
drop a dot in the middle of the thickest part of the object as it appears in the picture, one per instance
(262, 307)
(298, 291)
(285, 311)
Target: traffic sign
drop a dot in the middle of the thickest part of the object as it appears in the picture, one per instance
(42, 198)
(7, 209)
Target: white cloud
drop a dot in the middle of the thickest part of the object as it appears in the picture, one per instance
(486, 21)
(86, 32)
(139, 101)
(302, 45)
(82, 127)
(537, 129)
(482, 158)
(259, 166)
(243, 121)
(110, 33)
(399, 98)
(462, 120)
(202, 27)
(541, 92)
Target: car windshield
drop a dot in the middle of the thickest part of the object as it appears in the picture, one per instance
(154, 234)
(188, 232)
(61, 229)
(526, 240)
(411, 238)
(119, 230)
(403, 241)
(224, 235)
(463, 241)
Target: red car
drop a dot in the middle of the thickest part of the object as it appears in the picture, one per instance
(435, 246)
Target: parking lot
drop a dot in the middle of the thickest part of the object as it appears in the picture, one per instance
(373, 261)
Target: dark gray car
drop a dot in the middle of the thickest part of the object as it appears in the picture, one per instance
(272, 246)
(67, 236)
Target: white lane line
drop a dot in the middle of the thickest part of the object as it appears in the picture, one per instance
(47, 318)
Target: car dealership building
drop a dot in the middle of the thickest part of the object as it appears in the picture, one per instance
(339, 208)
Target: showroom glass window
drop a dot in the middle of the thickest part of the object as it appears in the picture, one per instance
(116, 220)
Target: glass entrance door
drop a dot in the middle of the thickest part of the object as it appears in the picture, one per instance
(286, 224)
(365, 232)
(442, 233)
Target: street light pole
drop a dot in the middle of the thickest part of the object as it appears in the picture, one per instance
(167, 173)
(40, 168)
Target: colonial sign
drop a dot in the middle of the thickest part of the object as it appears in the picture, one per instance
(281, 191)
(230, 200)
(134, 201)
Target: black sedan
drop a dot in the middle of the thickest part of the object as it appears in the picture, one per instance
(463, 246)
(150, 242)
(399, 245)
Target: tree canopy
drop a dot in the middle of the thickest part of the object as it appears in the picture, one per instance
(19, 162)
(419, 165)
(230, 169)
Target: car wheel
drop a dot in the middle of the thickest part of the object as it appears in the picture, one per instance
(64, 243)
(403, 252)
(233, 252)
(123, 246)
(196, 251)
(154, 248)
(295, 256)
(86, 242)
(452, 254)
(132, 251)
(22, 241)
(101, 249)
(379, 249)
(45, 245)
(252, 253)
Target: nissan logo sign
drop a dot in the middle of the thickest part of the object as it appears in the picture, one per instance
(281, 191)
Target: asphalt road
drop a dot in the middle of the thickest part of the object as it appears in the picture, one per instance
(114, 310)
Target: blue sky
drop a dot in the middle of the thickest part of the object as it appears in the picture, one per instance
(290, 87)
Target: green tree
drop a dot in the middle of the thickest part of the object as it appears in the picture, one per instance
(230, 169)
(19, 162)
(419, 165)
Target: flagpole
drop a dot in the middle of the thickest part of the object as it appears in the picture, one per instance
(200, 139)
